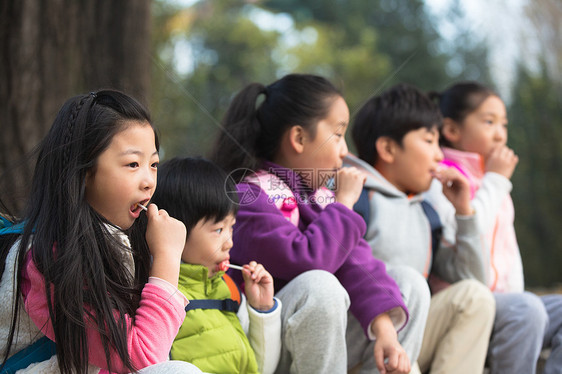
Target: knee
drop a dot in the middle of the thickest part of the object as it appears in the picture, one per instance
(413, 287)
(528, 309)
(477, 297)
(323, 292)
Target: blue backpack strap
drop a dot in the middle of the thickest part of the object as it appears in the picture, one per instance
(362, 206)
(435, 223)
(226, 305)
(8, 227)
(42, 350)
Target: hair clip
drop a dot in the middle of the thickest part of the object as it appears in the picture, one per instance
(93, 94)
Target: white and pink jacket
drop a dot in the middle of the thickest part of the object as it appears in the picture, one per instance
(492, 202)
(151, 331)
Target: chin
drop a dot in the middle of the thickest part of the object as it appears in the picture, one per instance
(126, 225)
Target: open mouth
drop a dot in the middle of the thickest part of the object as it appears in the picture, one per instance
(136, 208)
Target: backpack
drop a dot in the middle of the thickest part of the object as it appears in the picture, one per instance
(8, 227)
(44, 348)
(283, 197)
(363, 208)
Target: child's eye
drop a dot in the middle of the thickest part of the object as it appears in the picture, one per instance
(218, 231)
(133, 164)
(155, 164)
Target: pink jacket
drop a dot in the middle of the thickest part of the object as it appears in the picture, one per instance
(495, 215)
(151, 332)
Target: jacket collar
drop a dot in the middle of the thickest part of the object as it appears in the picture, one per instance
(471, 163)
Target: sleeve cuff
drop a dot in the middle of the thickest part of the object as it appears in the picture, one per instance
(269, 310)
(398, 318)
(467, 225)
(173, 292)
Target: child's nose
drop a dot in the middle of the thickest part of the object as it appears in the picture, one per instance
(439, 154)
(228, 244)
(149, 180)
(344, 150)
(500, 134)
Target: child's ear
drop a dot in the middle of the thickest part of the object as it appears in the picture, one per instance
(297, 135)
(451, 130)
(386, 149)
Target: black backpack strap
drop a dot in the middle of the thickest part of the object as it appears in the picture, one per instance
(227, 305)
(362, 206)
(435, 223)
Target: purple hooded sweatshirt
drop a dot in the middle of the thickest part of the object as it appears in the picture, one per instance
(329, 239)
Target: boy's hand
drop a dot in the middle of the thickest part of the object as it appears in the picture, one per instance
(502, 160)
(349, 184)
(165, 237)
(456, 189)
(390, 357)
(258, 286)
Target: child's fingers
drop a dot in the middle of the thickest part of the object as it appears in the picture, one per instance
(379, 360)
(151, 210)
(392, 362)
(257, 272)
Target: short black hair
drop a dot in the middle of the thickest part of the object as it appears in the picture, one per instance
(394, 113)
(193, 188)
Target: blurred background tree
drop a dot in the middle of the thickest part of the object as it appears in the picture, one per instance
(52, 50)
(201, 52)
(535, 127)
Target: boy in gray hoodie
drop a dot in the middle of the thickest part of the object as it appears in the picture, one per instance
(396, 135)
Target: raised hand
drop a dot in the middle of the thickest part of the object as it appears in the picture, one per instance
(502, 160)
(165, 237)
(349, 184)
(456, 189)
(258, 286)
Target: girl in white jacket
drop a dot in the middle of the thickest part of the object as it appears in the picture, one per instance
(474, 136)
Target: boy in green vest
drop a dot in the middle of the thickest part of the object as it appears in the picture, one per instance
(223, 331)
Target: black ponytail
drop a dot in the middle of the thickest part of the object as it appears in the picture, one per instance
(252, 130)
(236, 146)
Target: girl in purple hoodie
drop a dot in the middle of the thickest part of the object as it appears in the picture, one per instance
(282, 144)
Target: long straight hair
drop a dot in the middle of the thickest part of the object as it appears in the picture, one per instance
(252, 131)
(70, 243)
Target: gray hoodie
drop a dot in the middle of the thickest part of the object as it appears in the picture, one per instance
(399, 232)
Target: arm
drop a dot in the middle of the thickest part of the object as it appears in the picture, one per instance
(390, 357)
(265, 337)
(329, 239)
(488, 199)
(462, 251)
(265, 316)
(263, 234)
(496, 185)
(151, 332)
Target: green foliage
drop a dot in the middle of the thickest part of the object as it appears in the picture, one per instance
(363, 47)
(535, 131)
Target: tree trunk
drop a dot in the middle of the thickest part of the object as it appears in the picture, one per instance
(51, 50)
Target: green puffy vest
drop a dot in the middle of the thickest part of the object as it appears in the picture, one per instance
(211, 339)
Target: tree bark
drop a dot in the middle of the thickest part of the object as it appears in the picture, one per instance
(51, 50)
